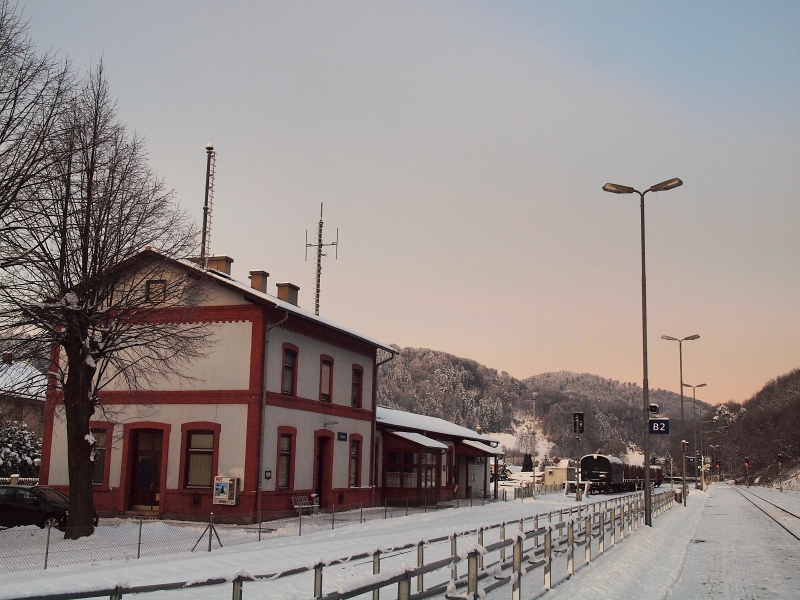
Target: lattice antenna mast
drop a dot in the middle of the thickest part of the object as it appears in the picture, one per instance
(319, 245)
(205, 242)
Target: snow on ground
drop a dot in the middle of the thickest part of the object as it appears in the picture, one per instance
(742, 554)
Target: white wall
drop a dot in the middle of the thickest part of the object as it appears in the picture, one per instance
(306, 423)
(308, 362)
(231, 417)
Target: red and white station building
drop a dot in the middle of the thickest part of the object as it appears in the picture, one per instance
(284, 401)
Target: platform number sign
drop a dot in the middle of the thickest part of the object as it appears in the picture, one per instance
(659, 426)
(577, 422)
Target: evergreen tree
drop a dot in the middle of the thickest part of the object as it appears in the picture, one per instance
(527, 464)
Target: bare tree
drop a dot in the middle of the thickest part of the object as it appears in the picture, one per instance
(101, 288)
(33, 89)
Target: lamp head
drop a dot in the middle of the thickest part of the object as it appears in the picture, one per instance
(692, 337)
(701, 385)
(670, 338)
(666, 185)
(615, 188)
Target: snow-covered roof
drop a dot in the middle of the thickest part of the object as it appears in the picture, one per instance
(420, 439)
(253, 293)
(22, 379)
(423, 423)
(482, 447)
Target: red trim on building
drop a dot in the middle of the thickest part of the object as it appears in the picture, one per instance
(198, 426)
(316, 406)
(326, 491)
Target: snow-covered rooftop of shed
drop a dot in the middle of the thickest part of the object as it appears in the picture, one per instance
(420, 439)
(22, 379)
(407, 420)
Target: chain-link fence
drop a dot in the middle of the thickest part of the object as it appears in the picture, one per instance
(29, 547)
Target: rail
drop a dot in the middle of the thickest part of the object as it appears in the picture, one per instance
(577, 526)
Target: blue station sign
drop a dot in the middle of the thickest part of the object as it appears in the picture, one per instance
(659, 426)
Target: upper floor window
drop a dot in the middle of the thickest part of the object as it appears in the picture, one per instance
(289, 372)
(199, 459)
(325, 379)
(355, 395)
(155, 290)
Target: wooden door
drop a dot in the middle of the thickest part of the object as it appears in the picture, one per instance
(146, 475)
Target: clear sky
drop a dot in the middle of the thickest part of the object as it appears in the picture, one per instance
(461, 147)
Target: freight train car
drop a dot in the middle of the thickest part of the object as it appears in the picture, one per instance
(608, 474)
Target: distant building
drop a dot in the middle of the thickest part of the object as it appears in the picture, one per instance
(556, 475)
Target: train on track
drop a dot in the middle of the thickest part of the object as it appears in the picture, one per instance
(608, 474)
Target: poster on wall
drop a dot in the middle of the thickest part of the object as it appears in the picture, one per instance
(226, 490)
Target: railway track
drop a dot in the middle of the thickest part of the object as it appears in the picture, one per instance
(794, 519)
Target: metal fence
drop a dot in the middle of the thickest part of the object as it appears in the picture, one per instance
(556, 536)
(28, 548)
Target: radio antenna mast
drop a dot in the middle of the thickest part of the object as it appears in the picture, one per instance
(319, 245)
(205, 241)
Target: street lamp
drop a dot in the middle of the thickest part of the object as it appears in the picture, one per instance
(623, 189)
(694, 411)
(680, 359)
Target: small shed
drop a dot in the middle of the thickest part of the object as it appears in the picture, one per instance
(556, 475)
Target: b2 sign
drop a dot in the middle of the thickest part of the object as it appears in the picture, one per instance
(659, 426)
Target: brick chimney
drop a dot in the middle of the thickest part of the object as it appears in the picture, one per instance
(258, 280)
(220, 263)
(288, 292)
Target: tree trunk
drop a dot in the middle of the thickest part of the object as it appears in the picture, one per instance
(79, 409)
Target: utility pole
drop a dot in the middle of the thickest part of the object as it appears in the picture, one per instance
(319, 245)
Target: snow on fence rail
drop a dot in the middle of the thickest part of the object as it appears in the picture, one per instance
(583, 525)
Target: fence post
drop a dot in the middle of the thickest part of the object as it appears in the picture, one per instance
(571, 547)
(385, 507)
(318, 580)
(210, 529)
(362, 511)
(535, 528)
(259, 526)
(333, 516)
(139, 542)
(420, 563)
(516, 588)
(502, 539)
(406, 505)
(613, 526)
(47, 547)
(602, 515)
(622, 521)
(404, 588)
(300, 521)
(453, 553)
(237, 588)
(376, 569)
(116, 594)
(472, 575)
(480, 543)
(587, 528)
(548, 558)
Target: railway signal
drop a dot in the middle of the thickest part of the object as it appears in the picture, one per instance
(780, 470)
(684, 444)
(658, 426)
(747, 471)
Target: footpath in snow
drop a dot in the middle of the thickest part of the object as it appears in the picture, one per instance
(719, 546)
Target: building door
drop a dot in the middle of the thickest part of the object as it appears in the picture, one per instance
(146, 475)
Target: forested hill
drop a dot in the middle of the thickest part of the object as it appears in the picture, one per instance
(760, 428)
(601, 389)
(465, 392)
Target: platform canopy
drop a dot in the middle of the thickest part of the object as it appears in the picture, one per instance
(420, 440)
(474, 448)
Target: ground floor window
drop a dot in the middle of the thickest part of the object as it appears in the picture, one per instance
(99, 456)
(199, 459)
(355, 463)
(284, 461)
(402, 469)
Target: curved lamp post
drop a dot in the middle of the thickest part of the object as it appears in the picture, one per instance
(624, 189)
(694, 411)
